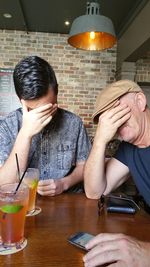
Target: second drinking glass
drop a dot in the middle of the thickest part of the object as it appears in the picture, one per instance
(31, 178)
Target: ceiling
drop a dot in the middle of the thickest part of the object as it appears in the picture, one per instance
(49, 16)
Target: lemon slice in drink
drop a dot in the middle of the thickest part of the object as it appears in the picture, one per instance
(11, 208)
(34, 183)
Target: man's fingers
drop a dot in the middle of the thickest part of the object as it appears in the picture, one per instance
(45, 182)
(102, 248)
(47, 187)
(52, 110)
(119, 110)
(118, 264)
(46, 119)
(117, 118)
(46, 193)
(103, 238)
(116, 104)
(44, 113)
(121, 114)
(121, 121)
(102, 258)
(43, 108)
(114, 110)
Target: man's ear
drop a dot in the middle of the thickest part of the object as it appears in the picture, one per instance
(141, 101)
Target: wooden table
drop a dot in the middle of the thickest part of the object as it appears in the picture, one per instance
(62, 216)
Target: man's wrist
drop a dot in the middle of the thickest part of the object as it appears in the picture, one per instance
(65, 183)
(99, 144)
(23, 132)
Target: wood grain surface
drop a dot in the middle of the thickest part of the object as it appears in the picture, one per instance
(63, 216)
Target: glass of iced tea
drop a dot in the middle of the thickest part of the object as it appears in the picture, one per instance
(13, 208)
(31, 179)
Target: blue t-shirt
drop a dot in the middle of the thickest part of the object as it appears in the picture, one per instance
(138, 161)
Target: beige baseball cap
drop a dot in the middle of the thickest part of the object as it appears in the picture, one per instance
(109, 96)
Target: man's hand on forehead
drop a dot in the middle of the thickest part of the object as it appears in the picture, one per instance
(111, 120)
(36, 119)
(37, 105)
(45, 107)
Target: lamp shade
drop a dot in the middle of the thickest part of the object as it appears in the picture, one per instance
(92, 31)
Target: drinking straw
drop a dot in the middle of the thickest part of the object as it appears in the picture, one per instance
(17, 162)
(24, 174)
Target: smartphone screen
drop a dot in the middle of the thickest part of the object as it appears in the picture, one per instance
(80, 239)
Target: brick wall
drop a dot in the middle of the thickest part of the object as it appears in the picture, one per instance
(143, 69)
(143, 75)
(81, 74)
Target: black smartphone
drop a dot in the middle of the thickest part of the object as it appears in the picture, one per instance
(80, 239)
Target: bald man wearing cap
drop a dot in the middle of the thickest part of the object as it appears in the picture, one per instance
(121, 109)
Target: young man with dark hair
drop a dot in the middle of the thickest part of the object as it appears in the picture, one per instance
(54, 138)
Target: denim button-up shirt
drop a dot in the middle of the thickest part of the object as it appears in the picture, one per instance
(57, 148)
